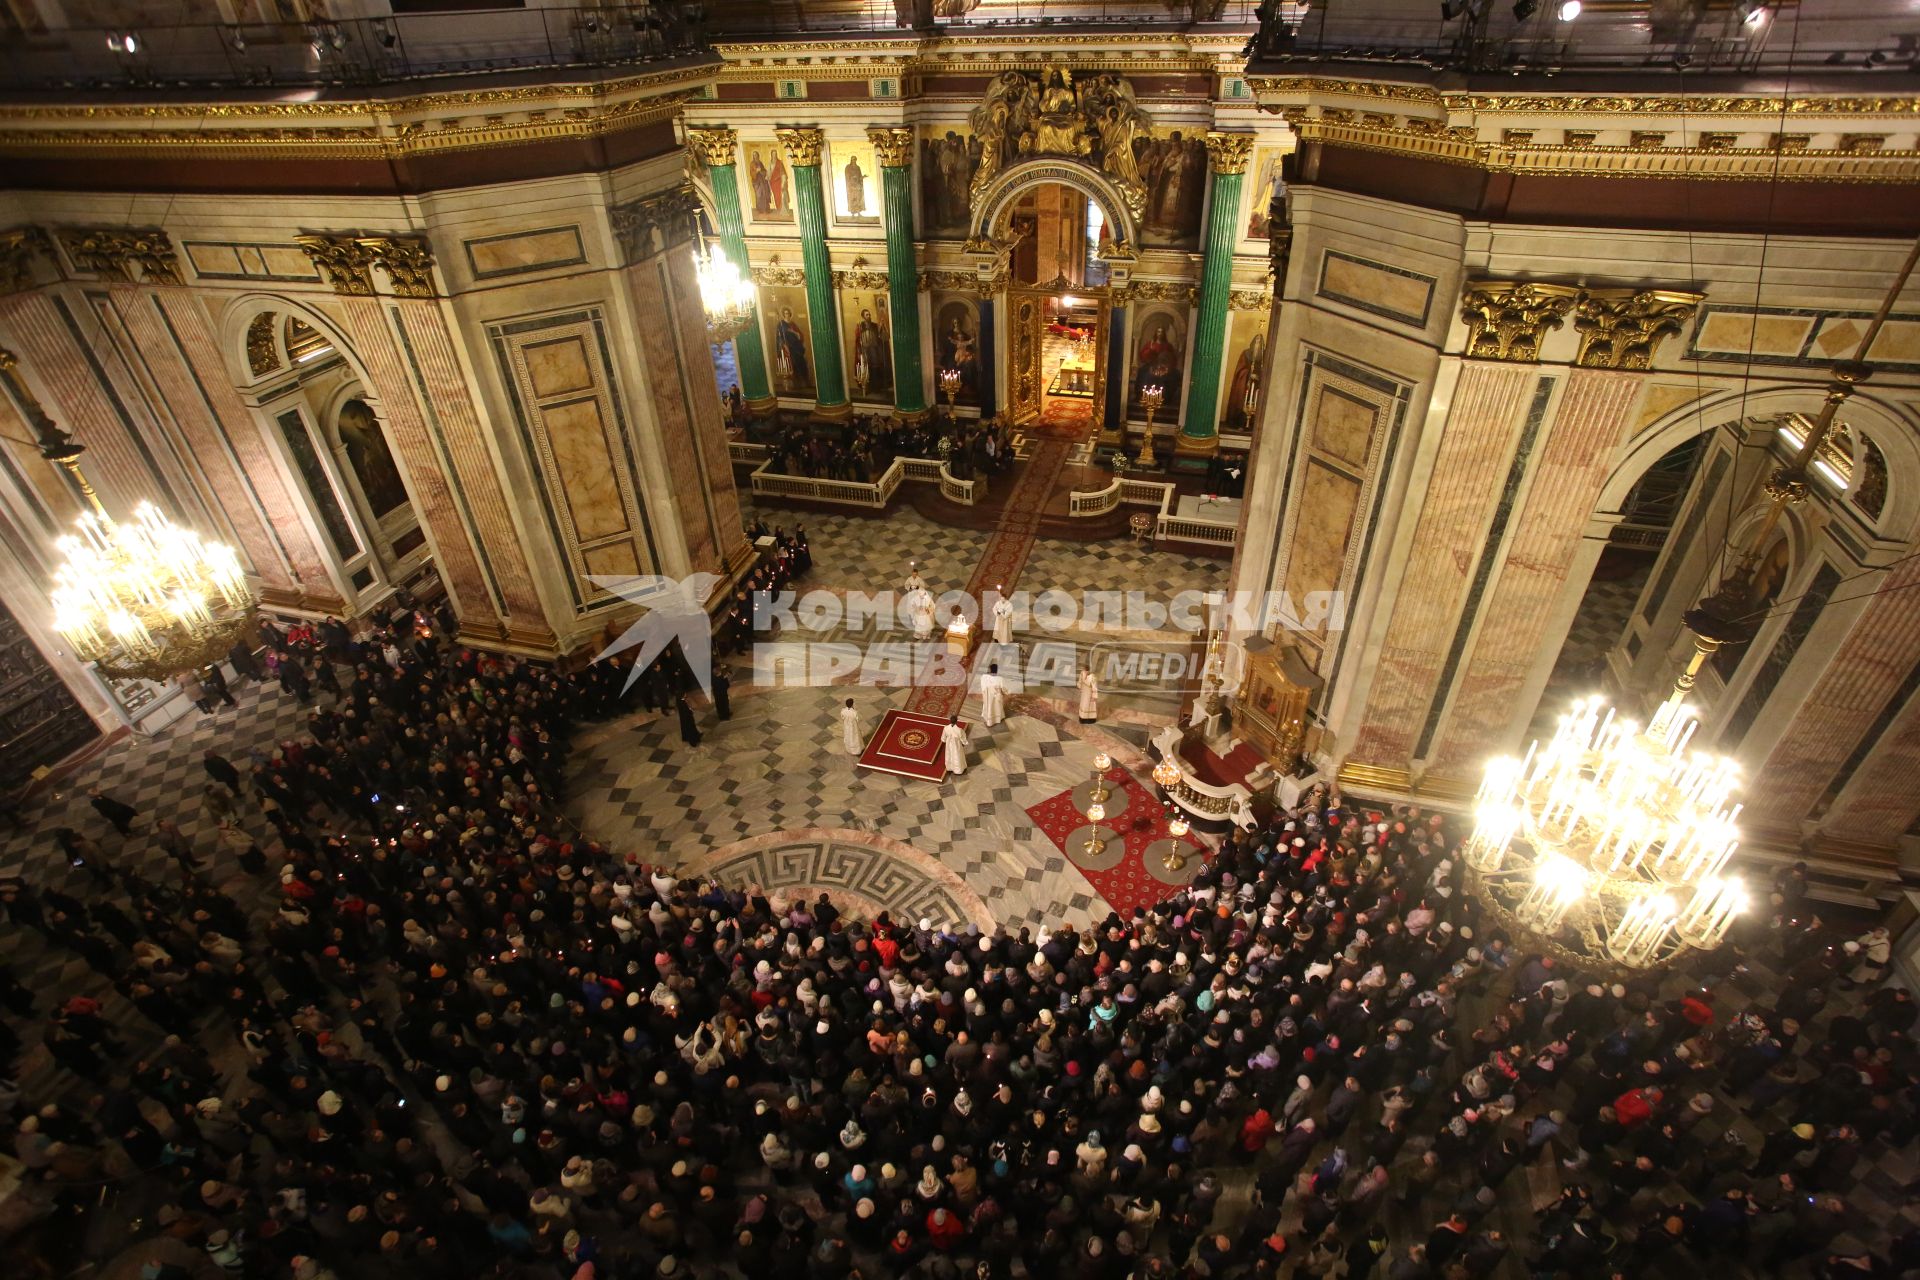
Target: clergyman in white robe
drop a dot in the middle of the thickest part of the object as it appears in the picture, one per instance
(1003, 621)
(920, 613)
(955, 739)
(1089, 697)
(850, 729)
(993, 697)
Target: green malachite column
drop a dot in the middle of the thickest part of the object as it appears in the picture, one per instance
(894, 147)
(810, 211)
(1227, 157)
(717, 147)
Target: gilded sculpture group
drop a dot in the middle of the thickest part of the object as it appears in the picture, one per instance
(1095, 120)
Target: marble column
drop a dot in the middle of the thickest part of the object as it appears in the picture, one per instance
(1227, 157)
(894, 147)
(718, 148)
(802, 147)
(1474, 453)
(1113, 421)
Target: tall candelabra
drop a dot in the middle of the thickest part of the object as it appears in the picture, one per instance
(1152, 396)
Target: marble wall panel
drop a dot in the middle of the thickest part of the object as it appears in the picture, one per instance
(1475, 450)
(1882, 801)
(1377, 287)
(520, 253)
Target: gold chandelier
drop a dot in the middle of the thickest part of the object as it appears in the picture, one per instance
(1610, 844)
(727, 294)
(143, 599)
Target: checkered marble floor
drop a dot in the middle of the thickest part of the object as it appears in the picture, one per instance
(877, 554)
(779, 764)
(1118, 565)
(1596, 628)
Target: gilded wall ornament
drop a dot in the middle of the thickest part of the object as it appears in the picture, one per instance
(1229, 152)
(1646, 139)
(345, 261)
(892, 146)
(1139, 290)
(802, 146)
(1506, 319)
(655, 223)
(1623, 328)
(715, 147)
(857, 279)
(1249, 300)
(263, 356)
(779, 275)
(136, 255)
(950, 281)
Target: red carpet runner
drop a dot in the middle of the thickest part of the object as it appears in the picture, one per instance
(1005, 556)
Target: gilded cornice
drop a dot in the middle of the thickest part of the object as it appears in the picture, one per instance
(968, 54)
(139, 255)
(1572, 104)
(362, 129)
(779, 275)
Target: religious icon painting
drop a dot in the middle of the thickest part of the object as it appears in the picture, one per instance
(956, 343)
(783, 309)
(868, 338)
(769, 193)
(1173, 169)
(1245, 371)
(1159, 359)
(949, 155)
(1263, 184)
(854, 174)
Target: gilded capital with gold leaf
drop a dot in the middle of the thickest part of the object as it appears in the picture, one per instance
(1229, 152)
(801, 145)
(715, 147)
(893, 146)
(1507, 319)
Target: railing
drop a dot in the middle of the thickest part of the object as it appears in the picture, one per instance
(729, 18)
(354, 51)
(965, 492)
(746, 451)
(1159, 495)
(1096, 503)
(873, 494)
(1686, 39)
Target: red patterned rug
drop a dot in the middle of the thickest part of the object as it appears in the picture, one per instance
(1121, 873)
(1225, 771)
(909, 745)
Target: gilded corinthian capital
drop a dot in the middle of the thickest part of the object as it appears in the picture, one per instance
(801, 145)
(1623, 328)
(715, 147)
(1506, 319)
(1229, 152)
(893, 146)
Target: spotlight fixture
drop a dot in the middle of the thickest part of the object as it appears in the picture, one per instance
(1450, 9)
(239, 40)
(115, 42)
(1877, 58)
(1569, 10)
(1524, 9)
(1752, 15)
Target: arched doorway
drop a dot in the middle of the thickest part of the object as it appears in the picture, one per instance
(1057, 306)
(325, 428)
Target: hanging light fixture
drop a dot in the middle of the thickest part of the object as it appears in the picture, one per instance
(725, 292)
(142, 599)
(1611, 842)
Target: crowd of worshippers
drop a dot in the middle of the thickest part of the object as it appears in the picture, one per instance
(479, 1044)
(868, 444)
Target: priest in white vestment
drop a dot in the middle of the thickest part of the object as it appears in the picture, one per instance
(1003, 621)
(1089, 697)
(993, 697)
(920, 613)
(955, 739)
(850, 729)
